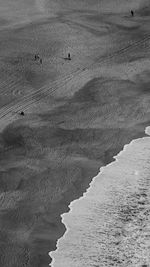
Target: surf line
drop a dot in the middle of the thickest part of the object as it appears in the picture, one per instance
(52, 264)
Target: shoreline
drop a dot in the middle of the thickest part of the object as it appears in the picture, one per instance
(75, 119)
(70, 206)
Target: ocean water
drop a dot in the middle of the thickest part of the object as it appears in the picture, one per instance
(110, 224)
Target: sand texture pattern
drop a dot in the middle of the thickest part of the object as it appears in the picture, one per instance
(78, 113)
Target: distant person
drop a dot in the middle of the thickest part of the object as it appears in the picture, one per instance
(36, 57)
(22, 113)
(132, 13)
(69, 57)
(41, 61)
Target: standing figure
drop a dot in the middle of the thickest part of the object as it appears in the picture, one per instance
(40, 60)
(132, 13)
(69, 57)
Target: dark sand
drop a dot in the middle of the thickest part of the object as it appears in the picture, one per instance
(78, 113)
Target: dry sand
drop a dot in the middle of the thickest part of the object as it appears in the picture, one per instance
(78, 113)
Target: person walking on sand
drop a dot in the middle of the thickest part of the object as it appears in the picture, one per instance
(132, 13)
(69, 57)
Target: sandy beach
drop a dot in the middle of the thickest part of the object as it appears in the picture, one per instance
(78, 113)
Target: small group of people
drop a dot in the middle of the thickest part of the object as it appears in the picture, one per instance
(37, 58)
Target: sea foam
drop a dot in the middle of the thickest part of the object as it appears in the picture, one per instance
(109, 224)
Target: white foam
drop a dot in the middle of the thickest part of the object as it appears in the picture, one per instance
(74, 249)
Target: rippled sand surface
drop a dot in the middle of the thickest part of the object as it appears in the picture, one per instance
(78, 114)
(110, 224)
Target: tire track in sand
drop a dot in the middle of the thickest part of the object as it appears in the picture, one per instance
(30, 99)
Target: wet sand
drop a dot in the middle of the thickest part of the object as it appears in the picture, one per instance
(78, 113)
